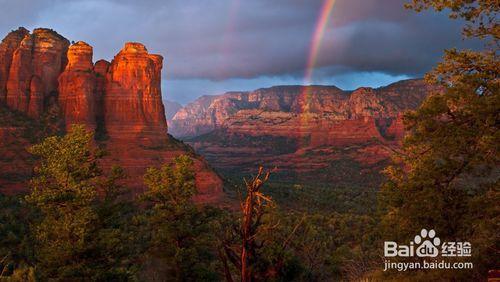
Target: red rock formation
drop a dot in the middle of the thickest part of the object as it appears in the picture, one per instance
(298, 111)
(298, 129)
(9, 44)
(396, 128)
(120, 100)
(134, 120)
(20, 74)
(49, 58)
(132, 104)
(77, 87)
(41, 55)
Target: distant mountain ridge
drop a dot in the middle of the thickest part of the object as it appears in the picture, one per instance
(171, 108)
(209, 112)
(317, 131)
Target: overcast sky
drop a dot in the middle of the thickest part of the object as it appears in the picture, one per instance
(213, 46)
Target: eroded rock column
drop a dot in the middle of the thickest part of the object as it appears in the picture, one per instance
(132, 102)
(77, 87)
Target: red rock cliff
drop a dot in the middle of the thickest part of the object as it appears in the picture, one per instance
(134, 120)
(304, 131)
(41, 56)
(121, 101)
(132, 104)
(9, 44)
(77, 87)
(325, 112)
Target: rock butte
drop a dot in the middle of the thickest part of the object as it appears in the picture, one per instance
(120, 100)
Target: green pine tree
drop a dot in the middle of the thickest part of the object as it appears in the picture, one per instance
(446, 177)
(81, 231)
(181, 236)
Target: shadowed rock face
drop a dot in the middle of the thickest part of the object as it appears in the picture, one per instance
(120, 101)
(101, 69)
(171, 109)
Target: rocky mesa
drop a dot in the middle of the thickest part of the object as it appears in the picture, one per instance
(319, 132)
(41, 73)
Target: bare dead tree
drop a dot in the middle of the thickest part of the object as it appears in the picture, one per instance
(253, 209)
(241, 248)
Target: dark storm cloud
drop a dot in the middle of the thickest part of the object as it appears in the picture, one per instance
(221, 39)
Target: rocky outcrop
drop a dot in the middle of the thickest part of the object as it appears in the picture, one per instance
(77, 87)
(7, 48)
(132, 103)
(20, 74)
(40, 56)
(204, 114)
(120, 101)
(134, 121)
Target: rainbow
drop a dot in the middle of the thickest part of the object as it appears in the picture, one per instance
(317, 37)
(305, 95)
(318, 34)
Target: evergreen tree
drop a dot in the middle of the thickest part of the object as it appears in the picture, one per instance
(446, 177)
(79, 234)
(15, 248)
(181, 238)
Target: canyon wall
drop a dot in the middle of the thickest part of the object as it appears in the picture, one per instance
(312, 131)
(298, 110)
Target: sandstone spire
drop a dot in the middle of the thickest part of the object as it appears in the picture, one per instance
(77, 87)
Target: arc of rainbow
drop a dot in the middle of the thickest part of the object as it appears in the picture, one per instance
(317, 38)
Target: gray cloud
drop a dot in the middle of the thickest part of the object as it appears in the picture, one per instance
(220, 40)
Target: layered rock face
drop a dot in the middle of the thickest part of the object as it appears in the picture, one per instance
(40, 56)
(134, 120)
(300, 130)
(101, 69)
(294, 111)
(120, 101)
(7, 48)
(77, 87)
(133, 105)
(204, 115)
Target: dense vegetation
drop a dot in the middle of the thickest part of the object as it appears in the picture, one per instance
(446, 176)
(80, 223)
